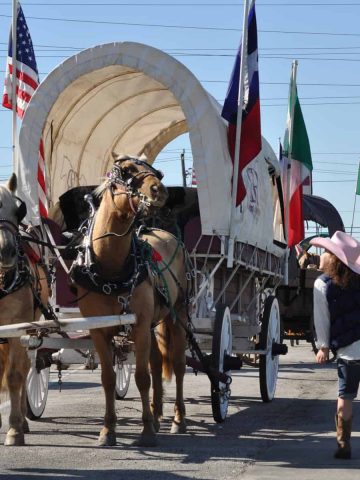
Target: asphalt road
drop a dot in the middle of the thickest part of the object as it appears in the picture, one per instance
(291, 437)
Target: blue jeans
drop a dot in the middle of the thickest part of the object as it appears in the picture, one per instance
(349, 378)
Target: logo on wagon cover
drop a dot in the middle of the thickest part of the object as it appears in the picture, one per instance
(252, 191)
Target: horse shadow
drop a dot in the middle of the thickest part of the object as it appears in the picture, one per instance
(78, 474)
(286, 432)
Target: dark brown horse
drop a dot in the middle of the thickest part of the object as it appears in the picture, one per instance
(146, 276)
(23, 285)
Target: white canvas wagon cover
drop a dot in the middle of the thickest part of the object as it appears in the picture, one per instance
(135, 99)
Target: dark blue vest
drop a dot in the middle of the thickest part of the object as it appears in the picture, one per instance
(344, 308)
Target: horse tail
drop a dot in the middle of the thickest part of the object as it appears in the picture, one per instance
(4, 361)
(163, 335)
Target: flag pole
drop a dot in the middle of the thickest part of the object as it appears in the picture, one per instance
(230, 259)
(356, 193)
(288, 170)
(353, 215)
(13, 84)
(291, 130)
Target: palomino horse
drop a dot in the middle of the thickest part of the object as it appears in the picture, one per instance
(128, 273)
(23, 285)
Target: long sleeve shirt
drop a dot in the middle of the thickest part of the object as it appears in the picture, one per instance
(322, 324)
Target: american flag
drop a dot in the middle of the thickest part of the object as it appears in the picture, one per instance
(27, 81)
(250, 140)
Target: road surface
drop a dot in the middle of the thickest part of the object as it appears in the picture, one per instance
(291, 437)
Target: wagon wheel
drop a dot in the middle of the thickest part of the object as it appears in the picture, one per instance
(123, 374)
(269, 334)
(37, 387)
(313, 340)
(221, 346)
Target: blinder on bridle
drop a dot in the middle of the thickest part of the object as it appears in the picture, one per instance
(21, 210)
(121, 175)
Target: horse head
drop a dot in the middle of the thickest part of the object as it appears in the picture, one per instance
(12, 211)
(136, 185)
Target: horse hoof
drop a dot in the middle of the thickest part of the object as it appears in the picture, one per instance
(156, 424)
(14, 440)
(178, 427)
(107, 440)
(146, 441)
(26, 428)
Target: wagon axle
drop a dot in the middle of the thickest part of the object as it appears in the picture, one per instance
(230, 363)
(279, 349)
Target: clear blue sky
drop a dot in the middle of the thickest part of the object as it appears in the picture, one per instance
(323, 36)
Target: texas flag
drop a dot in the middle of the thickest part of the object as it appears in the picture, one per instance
(250, 140)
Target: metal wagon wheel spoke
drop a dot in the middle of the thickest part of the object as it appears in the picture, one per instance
(221, 346)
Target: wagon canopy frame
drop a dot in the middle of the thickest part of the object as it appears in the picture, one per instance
(131, 98)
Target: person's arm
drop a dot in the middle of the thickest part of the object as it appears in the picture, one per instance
(321, 321)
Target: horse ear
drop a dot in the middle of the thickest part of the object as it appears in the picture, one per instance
(12, 183)
(121, 157)
(115, 156)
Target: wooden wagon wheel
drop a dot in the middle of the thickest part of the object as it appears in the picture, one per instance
(269, 335)
(123, 375)
(221, 346)
(37, 387)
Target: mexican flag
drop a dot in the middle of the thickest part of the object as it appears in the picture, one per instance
(297, 151)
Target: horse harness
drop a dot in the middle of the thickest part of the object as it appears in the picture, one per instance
(85, 271)
(21, 274)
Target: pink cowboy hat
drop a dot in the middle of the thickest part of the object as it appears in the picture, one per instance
(343, 246)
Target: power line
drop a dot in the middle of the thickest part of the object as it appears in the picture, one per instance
(303, 84)
(185, 27)
(65, 47)
(225, 55)
(158, 4)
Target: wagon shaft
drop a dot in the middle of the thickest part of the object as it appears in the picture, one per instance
(66, 325)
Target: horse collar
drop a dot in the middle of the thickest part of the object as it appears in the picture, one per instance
(121, 286)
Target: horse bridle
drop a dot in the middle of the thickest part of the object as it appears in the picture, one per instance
(117, 176)
(11, 227)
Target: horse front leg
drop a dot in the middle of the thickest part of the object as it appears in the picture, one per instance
(26, 428)
(16, 375)
(102, 342)
(142, 338)
(177, 355)
(4, 356)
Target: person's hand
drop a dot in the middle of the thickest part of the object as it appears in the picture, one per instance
(323, 355)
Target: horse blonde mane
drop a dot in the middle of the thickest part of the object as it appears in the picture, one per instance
(98, 191)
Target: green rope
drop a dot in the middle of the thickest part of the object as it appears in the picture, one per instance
(146, 251)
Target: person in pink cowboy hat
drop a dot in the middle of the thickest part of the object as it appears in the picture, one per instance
(337, 324)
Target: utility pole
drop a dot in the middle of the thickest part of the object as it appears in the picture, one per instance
(182, 158)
